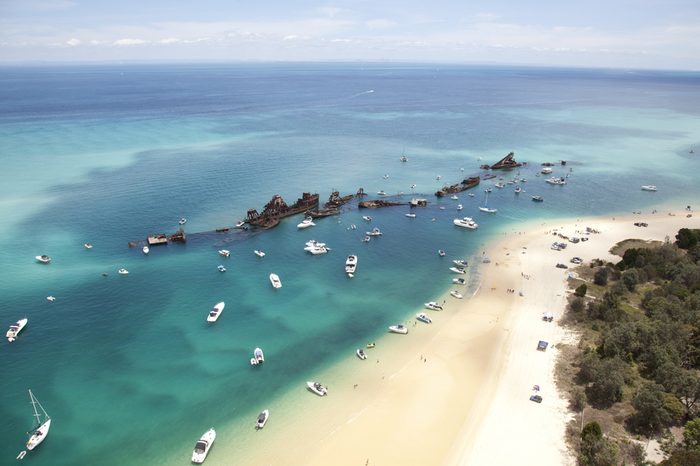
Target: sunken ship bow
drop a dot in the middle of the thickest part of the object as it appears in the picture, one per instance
(506, 162)
(277, 209)
(459, 187)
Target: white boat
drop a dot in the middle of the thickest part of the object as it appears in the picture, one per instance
(88, 245)
(366, 239)
(51, 298)
(259, 355)
(317, 388)
(275, 280)
(488, 210)
(458, 270)
(546, 170)
(123, 272)
(488, 190)
(224, 252)
(411, 215)
(423, 317)
(459, 281)
(306, 223)
(461, 262)
(432, 305)
(366, 218)
(43, 424)
(44, 259)
(398, 328)
(556, 181)
(466, 222)
(15, 328)
(201, 449)
(518, 190)
(351, 265)
(216, 312)
(454, 197)
(262, 419)
(221, 268)
(537, 198)
(240, 224)
(182, 221)
(456, 294)
(375, 232)
(316, 250)
(145, 250)
(259, 253)
(441, 253)
(649, 187)
(500, 185)
(361, 353)
(459, 207)
(381, 193)
(403, 158)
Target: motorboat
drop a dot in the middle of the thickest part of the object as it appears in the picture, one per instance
(182, 221)
(275, 280)
(44, 259)
(423, 317)
(221, 268)
(488, 210)
(556, 181)
(361, 353)
(258, 357)
(518, 190)
(500, 185)
(353, 226)
(351, 265)
(43, 424)
(466, 222)
(313, 244)
(375, 232)
(216, 312)
(433, 306)
(51, 298)
(259, 253)
(537, 198)
(315, 250)
(371, 345)
(306, 223)
(461, 262)
(546, 170)
(460, 207)
(201, 449)
(470, 194)
(441, 253)
(381, 193)
(649, 187)
(459, 281)
(15, 328)
(411, 215)
(366, 239)
(366, 218)
(240, 224)
(458, 270)
(88, 245)
(123, 272)
(262, 419)
(456, 294)
(398, 328)
(224, 252)
(403, 158)
(454, 197)
(317, 388)
(145, 250)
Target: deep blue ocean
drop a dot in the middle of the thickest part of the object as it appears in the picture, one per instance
(127, 366)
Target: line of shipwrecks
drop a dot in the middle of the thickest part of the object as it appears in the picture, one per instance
(308, 203)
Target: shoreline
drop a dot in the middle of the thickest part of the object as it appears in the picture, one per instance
(432, 396)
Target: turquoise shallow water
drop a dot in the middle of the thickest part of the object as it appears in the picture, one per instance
(110, 154)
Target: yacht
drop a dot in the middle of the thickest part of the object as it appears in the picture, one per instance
(145, 250)
(441, 253)
(351, 265)
(466, 222)
(216, 312)
(221, 268)
(381, 193)
(201, 449)
(51, 298)
(500, 185)
(306, 223)
(44, 259)
(366, 218)
(258, 357)
(537, 198)
(88, 245)
(42, 427)
(411, 215)
(649, 187)
(432, 305)
(317, 388)
(488, 210)
(423, 317)
(275, 280)
(123, 272)
(262, 419)
(458, 270)
(259, 253)
(454, 197)
(182, 221)
(460, 262)
(361, 353)
(518, 190)
(315, 250)
(15, 329)
(459, 207)
(224, 252)
(398, 328)
(459, 281)
(375, 232)
(546, 170)
(556, 181)
(456, 294)
(313, 244)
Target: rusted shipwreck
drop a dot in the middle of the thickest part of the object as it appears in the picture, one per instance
(378, 203)
(335, 201)
(277, 209)
(459, 187)
(506, 162)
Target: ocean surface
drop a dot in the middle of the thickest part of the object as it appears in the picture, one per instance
(127, 366)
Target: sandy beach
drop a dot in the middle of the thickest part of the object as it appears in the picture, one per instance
(456, 392)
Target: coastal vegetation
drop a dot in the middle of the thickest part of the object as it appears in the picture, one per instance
(635, 374)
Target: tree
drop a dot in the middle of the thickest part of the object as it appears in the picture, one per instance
(596, 450)
(651, 414)
(691, 435)
(580, 291)
(578, 398)
(687, 238)
(630, 278)
(577, 305)
(600, 277)
(608, 382)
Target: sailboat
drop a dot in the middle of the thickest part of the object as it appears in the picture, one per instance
(39, 433)
(486, 208)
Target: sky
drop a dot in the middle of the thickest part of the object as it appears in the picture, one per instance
(660, 34)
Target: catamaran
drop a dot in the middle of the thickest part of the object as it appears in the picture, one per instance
(39, 433)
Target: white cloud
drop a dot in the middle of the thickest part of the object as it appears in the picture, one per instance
(73, 42)
(379, 24)
(129, 42)
(170, 40)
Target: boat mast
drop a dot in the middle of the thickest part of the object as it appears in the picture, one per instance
(36, 413)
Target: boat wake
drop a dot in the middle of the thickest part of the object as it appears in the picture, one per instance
(371, 91)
